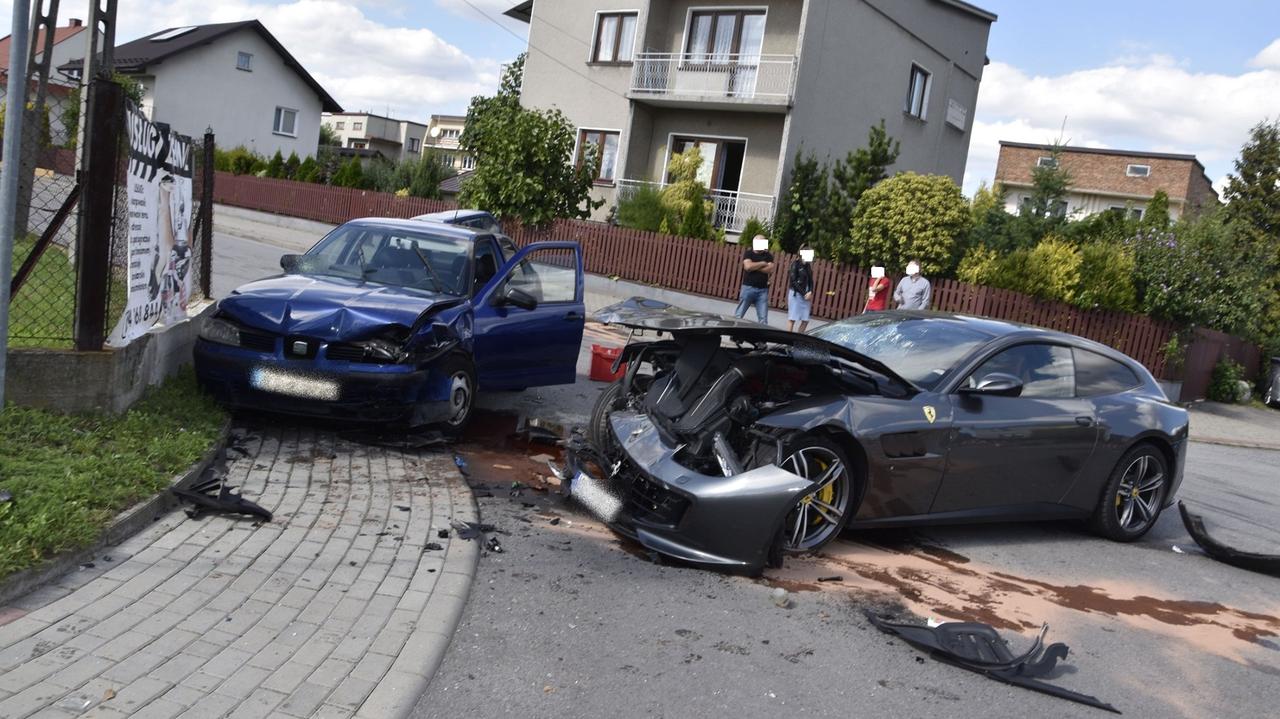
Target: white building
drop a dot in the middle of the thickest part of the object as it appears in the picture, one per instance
(394, 139)
(235, 78)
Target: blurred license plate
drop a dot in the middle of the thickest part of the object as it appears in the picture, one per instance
(269, 379)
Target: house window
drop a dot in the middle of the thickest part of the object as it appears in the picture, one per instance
(359, 144)
(447, 160)
(722, 36)
(357, 126)
(605, 144)
(468, 162)
(286, 122)
(615, 37)
(244, 61)
(339, 125)
(1126, 211)
(1138, 170)
(414, 144)
(451, 134)
(1046, 162)
(918, 92)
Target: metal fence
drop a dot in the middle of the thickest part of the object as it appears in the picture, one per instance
(48, 306)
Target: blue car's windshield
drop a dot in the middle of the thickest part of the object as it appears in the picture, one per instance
(392, 256)
(920, 349)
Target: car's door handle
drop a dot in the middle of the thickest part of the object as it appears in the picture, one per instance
(1084, 421)
(573, 317)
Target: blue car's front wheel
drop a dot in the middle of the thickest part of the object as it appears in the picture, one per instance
(462, 393)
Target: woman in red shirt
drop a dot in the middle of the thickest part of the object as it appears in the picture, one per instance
(878, 291)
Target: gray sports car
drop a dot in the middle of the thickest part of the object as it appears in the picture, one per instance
(727, 443)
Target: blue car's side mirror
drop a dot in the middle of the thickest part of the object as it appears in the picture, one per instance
(519, 298)
(289, 263)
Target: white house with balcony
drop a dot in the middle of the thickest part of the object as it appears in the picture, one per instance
(443, 135)
(394, 139)
(753, 84)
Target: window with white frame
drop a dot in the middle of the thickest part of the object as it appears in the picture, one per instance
(357, 126)
(1127, 211)
(1138, 170)
(1046, 161)
(604, 145)
(468, 162)
(452, 133)
(244, 61)
(286, 122)
(414, 144)
(918, 92)
(615, 37)
(447, 159)
(339, 125)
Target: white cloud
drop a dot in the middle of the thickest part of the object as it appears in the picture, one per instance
(1156, 104)
(1269, 57)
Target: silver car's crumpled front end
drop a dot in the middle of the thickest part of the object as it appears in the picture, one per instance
(731, 522)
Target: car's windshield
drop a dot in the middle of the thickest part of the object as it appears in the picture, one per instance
(392, 256)
(920, 349)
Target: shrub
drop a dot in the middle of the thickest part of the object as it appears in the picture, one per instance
(800, 218)
(291, 166)
(275, 168)
(351, 174)
(1106, 277)
(981, 266)
(686, 210)
(906, 216)
(642, 210)
(1050, 270)
(1224, 383)
(755, 227)
(308, 171)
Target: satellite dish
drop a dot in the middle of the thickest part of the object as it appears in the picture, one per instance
(434, 131)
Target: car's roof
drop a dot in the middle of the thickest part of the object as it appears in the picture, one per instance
(452, 216)
(414, 225)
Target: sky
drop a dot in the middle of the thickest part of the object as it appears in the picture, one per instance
(1158, 75)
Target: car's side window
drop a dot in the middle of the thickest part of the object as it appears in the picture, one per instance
(508, 248)
(1097, 375)
(547, 275)
(486, 263)
(1046, 371)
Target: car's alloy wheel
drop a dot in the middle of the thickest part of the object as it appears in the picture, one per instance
(461, 395)
(1134, 494)
(820, 515)
(1137, 500)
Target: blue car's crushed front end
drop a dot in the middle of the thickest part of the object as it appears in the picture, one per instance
(333, 349)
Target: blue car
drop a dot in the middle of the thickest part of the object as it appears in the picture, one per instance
(397, 321)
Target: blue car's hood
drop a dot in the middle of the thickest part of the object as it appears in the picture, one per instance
(329, 308)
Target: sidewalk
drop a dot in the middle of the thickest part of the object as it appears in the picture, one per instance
(342, 606)
(1235, 425)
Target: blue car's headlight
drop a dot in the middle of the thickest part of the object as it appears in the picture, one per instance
(220, 331)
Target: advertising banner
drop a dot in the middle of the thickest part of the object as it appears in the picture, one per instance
(159, 255)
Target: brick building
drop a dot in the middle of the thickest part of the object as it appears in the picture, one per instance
(1108, 179)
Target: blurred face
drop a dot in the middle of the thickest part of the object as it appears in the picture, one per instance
(806, 255)
(913, 269)
(877, 273)
(760, 244)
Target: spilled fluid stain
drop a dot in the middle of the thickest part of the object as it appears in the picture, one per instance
(936, 582)
(498, 455)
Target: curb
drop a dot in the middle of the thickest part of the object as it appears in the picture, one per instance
(406, 681)
(125, 525)
(1236, 443)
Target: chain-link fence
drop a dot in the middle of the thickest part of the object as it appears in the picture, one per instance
(42, 311)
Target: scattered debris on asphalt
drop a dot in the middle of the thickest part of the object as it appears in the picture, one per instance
(413, 439)
(979, 648)
(781, 598)
(461, 464)
(443, 534)
(472, 530)
(836, 578)
(541, 430)
(432, 547)
(493, 545)
(1252, 561)
(211, 493)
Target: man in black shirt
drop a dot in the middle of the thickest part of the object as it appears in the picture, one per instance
(757, 265)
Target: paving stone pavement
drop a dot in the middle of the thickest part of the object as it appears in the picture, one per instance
(336, 608)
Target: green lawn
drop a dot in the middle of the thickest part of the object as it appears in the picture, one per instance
(43, 312)
(71, 474)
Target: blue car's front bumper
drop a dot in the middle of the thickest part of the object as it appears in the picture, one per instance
(414, 395)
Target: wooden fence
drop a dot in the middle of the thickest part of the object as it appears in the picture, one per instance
(714, 270)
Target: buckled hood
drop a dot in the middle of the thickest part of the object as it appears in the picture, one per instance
(329, 308)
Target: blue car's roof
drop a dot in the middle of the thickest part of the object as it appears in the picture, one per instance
(452, 216)
(438, 228)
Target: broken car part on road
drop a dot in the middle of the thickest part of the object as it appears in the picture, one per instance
(211, 493)
(727, 443)
(1252, 561)
(980, 648)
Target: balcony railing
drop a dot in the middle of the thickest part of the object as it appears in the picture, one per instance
(730, 209)
(768, 79)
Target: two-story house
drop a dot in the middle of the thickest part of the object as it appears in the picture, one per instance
(235, 78)
(394, 139)
(751, 84)
(1101, 180)
(443, 132)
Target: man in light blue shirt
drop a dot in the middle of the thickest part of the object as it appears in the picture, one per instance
(914, 292)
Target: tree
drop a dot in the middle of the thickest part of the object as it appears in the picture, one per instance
(328, 137)
(427, 175)
(524, 158)
(856, 174)
(308, 171)
(684, 200)
(1156, 216)
(351, 174)
(1253, 190)
(291, 166)
(909, 216)
(804, 205)
(275, 168)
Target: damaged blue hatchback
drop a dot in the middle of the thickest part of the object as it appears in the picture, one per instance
(397, 321)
